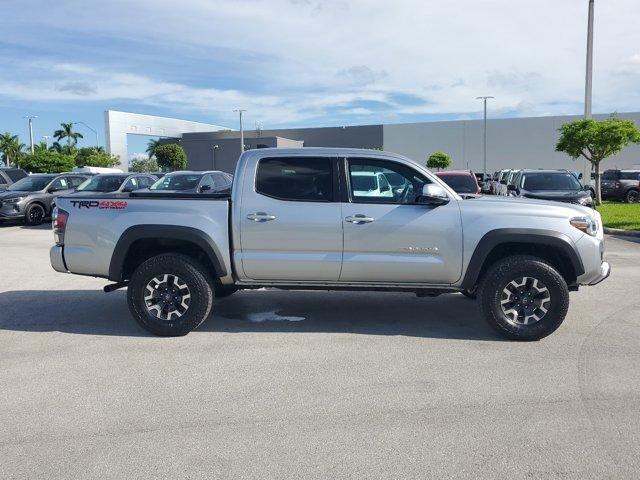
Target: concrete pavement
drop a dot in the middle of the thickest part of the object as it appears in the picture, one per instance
(312, 384)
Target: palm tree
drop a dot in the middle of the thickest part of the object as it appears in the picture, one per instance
(67, 132)
(151, 147)
(11, 148)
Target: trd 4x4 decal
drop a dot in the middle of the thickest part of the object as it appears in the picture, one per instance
(105, 204)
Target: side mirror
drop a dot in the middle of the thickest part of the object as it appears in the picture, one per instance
(205, 188)
(579, 176)
(503, 182)
(433, 195)
(512, 188)
(386, 188)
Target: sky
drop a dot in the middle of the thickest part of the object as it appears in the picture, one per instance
(295, 63)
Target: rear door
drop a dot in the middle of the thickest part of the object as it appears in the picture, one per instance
(290, 220)
(394, 239)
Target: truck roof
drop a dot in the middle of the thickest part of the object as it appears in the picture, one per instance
(309, 151)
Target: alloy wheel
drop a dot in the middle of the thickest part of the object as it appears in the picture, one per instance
(167, 297)
(525, 301)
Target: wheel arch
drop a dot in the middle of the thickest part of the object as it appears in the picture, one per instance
(141, 242)
(555, 247)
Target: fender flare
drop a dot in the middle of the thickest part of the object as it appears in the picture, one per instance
(169, 232)
(500, 236)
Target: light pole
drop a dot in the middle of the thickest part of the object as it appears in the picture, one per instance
(46, 140)
(30, 118)
(213, 160)
(239, 110)
(484, 165)
(588, 83)
(90, 128)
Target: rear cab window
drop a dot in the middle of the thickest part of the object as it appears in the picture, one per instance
(301, 179)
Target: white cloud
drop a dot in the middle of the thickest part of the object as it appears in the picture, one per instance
(301, 59)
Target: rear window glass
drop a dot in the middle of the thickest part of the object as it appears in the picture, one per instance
(629, 175)
(16, 174)
(300, 179)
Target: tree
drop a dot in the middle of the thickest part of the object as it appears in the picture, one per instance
(67, 132)
(66, 149)
(171, 157)
(47, 161)
(96, 157)
(596, 140)
(151, 147)
(439, 160)
(143, 165)
(11, 148)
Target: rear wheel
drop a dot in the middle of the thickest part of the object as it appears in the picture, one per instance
(523, 297)
(169, 295)
(633, 196)
(35, 214)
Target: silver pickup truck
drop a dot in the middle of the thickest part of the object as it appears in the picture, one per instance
(330, 219)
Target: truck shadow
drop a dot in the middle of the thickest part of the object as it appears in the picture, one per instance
(89, 312)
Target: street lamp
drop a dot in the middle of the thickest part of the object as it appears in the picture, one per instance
(46, 140)
(213, 160)
(588, 84)
(30, 118)
(239, 110)
(90, 128)
(484, 99)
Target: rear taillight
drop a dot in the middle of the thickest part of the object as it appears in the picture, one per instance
(60, 218)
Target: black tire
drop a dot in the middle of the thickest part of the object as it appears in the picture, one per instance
(188, 272)
(35, 214)
(223, 291)
(499, 278)
(632, 196)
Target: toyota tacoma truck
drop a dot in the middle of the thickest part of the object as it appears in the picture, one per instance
(329, 219)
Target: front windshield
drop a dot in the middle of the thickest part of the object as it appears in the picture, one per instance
(180, 181)
(461, 183)
(99, 183)
(31, 184)
(550, 181)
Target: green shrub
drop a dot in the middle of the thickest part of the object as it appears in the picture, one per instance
(96, 157)
(143, 165)
(171, 157)
(45, 161)
(439, 160)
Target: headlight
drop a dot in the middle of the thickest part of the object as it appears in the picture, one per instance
(13, 200)
(584, 201)
(588, 225)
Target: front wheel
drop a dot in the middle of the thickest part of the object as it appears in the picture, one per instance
(169, 295)
(35, 214)
(524, 297)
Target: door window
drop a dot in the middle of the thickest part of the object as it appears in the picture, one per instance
(131, 185)
(60, 184)
(75, 182)
(298, 179)
(382, 181)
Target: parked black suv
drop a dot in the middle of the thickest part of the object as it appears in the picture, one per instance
(9, 176)
(557, 185)
(621, 185)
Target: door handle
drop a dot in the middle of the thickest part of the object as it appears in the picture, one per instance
(359, 219)
(261, 217)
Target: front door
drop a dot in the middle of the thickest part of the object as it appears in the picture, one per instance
(391, 238)
(290, 221)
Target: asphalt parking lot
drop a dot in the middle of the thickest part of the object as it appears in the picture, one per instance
(311, 384)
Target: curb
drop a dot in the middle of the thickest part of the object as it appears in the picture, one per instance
(626, 233)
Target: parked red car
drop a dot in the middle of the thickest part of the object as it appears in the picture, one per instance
(463, 182)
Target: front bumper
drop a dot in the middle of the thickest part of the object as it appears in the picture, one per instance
(56, 257)
(605, 271)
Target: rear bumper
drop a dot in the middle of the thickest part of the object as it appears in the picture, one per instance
(56, 257)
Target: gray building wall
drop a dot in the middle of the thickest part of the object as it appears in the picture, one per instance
(511, 143)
